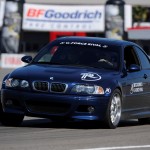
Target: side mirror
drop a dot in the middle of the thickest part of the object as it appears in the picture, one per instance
(134, 68)
(26, 59)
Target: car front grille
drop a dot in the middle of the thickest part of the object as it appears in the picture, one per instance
(45, 86)
(47, 107)
(58, 87)
(41, 86)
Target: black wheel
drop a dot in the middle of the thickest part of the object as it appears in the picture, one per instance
(143, 121)
(8, 119)
(113, 113)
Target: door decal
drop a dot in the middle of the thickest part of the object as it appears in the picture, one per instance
(136, 87)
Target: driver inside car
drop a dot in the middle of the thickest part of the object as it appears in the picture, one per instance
(105, 59)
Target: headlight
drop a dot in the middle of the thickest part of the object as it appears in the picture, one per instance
(24, 84)
(88, 89)
(16, 83)
(8, 82)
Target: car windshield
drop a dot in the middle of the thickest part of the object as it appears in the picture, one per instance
(97, 56)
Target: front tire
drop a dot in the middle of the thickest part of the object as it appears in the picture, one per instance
(8, 119)
(113, 114)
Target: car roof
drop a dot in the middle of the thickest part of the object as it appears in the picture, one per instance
(106, 41)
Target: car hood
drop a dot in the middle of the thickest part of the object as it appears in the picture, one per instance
(61, 73)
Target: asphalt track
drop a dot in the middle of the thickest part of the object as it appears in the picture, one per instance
(42, 134)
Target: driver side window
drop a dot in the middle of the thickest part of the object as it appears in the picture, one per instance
(130, 57)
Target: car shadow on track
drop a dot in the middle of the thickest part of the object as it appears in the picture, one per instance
(46, 123)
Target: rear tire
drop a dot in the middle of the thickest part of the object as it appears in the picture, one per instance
(113, 113)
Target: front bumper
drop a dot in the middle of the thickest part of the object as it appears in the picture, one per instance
(54, 105)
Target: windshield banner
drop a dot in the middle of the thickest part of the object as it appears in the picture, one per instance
(63, 18)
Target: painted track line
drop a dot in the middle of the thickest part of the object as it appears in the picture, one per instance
(120, 147)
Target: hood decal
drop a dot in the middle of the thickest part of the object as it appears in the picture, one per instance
(90, 76)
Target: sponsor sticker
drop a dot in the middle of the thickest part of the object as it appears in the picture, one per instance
(90, 76)
(107, 91)
(136, 87)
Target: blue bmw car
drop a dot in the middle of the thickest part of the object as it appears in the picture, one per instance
(80, 78)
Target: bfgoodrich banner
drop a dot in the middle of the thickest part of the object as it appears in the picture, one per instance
(63, 18)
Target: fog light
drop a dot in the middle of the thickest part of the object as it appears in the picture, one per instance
(9, 103)
(91, 109)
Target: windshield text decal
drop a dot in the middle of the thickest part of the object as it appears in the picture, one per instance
(84, 43)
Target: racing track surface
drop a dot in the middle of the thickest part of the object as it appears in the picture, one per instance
(41, 134)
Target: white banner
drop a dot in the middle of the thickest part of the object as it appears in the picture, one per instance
(2, 10)
(11, 60)
(75, 18)
(127, 17)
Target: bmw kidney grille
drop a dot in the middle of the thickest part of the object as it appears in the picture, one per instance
(58, 87)
(44, 86)
(41, 86)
